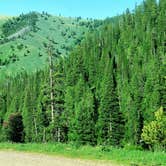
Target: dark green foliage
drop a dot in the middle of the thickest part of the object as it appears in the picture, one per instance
(15, 128)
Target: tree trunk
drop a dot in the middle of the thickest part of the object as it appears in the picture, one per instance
(51, 82)
(35, 127)
(44, 135)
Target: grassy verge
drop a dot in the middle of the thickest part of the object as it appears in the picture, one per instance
(126, 157)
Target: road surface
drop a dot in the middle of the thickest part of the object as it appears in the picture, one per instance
(11, 158)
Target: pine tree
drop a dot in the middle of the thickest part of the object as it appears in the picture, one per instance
(84, 120)
(28, 116)
(109, 125)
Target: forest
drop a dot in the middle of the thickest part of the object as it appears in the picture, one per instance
(109, 91)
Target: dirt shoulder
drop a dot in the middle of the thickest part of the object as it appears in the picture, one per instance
(11, 158)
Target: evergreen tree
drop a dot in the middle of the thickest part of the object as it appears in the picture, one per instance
(15, 128)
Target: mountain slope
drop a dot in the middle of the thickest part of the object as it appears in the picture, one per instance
(26, 50)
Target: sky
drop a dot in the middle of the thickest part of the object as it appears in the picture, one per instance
(85, 8)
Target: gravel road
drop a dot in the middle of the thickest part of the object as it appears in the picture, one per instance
(10, 158)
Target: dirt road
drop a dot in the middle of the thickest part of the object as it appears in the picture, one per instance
(10, 158)
(19, 33)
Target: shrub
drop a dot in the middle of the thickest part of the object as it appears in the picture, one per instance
(15, 128)
(154, 133)
(20, 46)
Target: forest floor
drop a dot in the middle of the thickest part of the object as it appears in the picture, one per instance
(12, 158)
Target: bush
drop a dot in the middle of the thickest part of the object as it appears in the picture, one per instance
(132, 147)
(15, 128)
(4, 132)
(154, 133)
(20, 46)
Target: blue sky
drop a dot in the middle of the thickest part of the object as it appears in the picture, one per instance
(83, 8)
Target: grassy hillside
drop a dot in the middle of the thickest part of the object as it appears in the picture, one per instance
(27, 53)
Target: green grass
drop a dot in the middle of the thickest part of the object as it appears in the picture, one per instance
(121, 156)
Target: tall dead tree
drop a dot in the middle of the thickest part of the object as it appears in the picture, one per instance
(51, 80)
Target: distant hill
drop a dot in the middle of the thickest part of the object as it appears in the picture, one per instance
(23, 49)
(4, 17)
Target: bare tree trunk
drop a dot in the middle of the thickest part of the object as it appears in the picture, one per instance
(44, 135)
(59, 130)
(35, 127)
(51, 82)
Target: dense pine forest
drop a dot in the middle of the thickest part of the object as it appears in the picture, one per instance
(111, 90)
